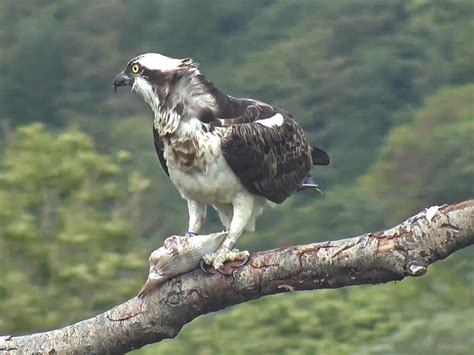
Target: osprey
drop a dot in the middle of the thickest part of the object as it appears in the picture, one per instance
(237, 155)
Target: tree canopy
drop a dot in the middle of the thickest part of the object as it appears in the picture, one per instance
(386, 87)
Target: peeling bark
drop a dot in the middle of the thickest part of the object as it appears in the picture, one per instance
(405, 250)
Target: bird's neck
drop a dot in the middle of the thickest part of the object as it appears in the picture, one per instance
(187, 105)
(166, 121)
(190, 128)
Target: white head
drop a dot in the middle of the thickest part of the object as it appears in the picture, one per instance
(155, 61)
(174, 88)
(153, 75)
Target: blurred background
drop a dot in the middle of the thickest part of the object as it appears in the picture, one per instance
(386, 87)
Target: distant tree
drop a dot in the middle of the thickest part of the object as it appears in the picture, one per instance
(33, 62)
(358, 75)
(430, 159)
(67, 217)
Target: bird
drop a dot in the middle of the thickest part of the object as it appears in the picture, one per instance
(237, 155)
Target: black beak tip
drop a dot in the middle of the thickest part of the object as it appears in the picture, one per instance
(121, 79)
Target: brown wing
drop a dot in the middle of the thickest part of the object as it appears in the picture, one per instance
(250, 112)
(159, 150)
(269, 161)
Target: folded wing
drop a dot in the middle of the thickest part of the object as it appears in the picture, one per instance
(269, 153)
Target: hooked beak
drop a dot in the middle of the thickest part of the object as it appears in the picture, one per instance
(122, 79)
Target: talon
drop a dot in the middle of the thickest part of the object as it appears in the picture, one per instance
(230, 273)
(243, 263)
(225, 273)
(217, 260)
(202, 266)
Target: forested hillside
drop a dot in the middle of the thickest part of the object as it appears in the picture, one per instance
(386, 87)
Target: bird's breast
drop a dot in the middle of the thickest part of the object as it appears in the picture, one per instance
(187, 154)
(199, 171)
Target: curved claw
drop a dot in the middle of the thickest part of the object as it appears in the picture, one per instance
(225, 273)
(231, 272)
(243, 263)
(202, 266)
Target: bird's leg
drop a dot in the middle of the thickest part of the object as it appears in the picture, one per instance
(225, 213)
(242, 212)
(197, 216)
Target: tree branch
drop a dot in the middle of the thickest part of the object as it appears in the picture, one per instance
(405, 250)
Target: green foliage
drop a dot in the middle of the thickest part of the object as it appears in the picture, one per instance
(162, 207)
(34, 69)
(386, 87)
(66, 229)
(429, 160)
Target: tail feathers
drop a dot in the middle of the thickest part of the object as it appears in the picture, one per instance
(308, 184)
(319, 156)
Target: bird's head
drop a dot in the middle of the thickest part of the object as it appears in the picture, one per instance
(152, 75)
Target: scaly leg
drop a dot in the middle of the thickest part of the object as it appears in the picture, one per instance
(197, 216)
(242, 212)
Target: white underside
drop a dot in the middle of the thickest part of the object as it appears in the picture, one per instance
(217, 186)
(207, 179)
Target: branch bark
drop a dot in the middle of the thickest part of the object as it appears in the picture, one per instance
(405, 250)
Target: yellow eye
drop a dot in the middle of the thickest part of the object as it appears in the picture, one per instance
(136, 68)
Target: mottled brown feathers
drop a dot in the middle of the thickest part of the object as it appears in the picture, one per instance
(186, 154)
(269, 161)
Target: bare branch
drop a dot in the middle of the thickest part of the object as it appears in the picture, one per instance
(405, 250)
